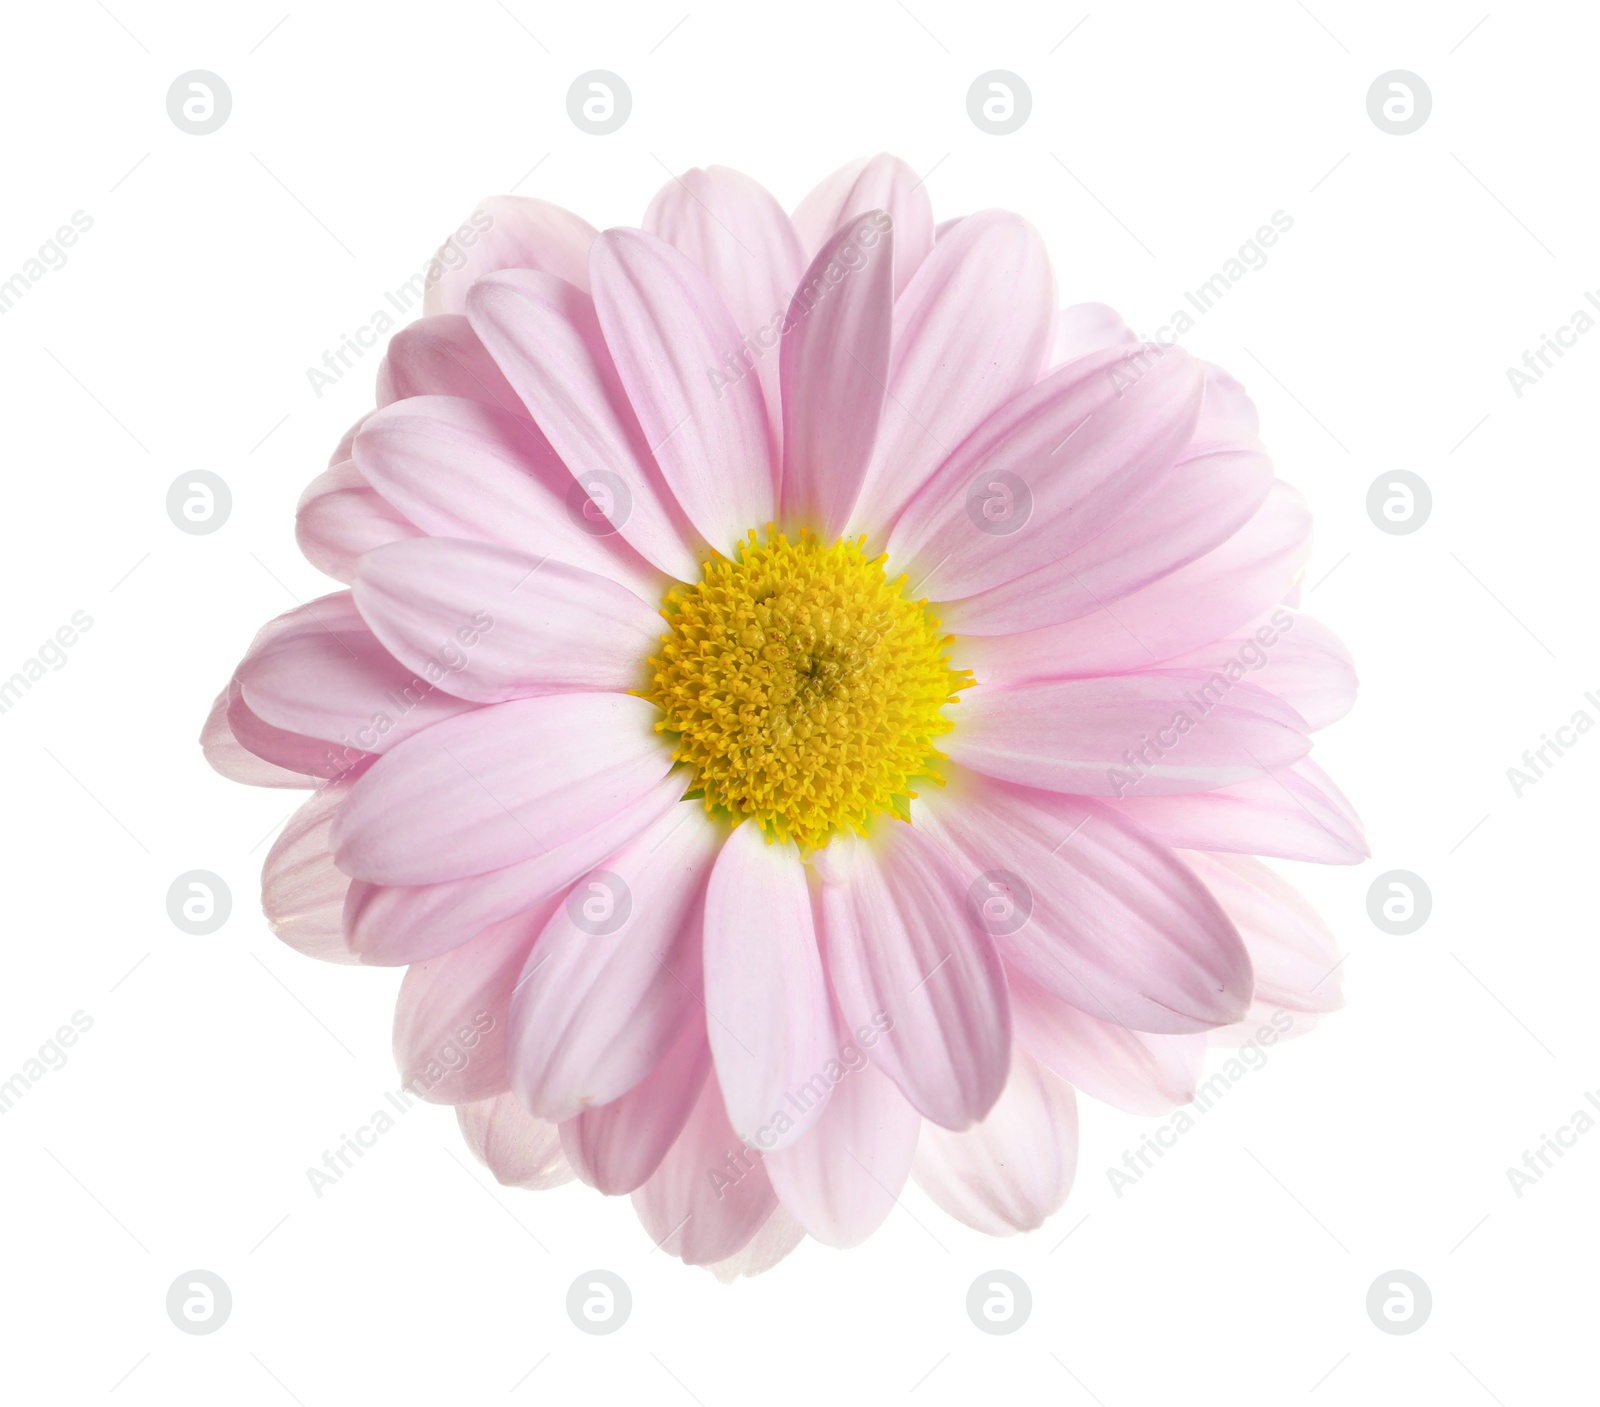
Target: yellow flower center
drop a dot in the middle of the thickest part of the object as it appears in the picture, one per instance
(802, 687)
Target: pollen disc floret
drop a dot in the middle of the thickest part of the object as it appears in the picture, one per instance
(803, 686)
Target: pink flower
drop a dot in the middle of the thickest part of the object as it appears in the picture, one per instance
(802, 708)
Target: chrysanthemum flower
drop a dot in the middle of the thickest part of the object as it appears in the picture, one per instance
(803, 707)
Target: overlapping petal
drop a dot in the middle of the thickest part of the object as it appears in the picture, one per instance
(615, 973)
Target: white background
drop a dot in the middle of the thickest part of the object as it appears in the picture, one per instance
(1377, 338)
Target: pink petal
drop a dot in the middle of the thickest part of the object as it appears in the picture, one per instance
(323, 674)
(1294, 953)
(1208, 496)
(1013, 1170)
(302, 890)
(835, 366)
(340, 517)
(1090, 908)
(1066, 458)
(479, 791)
(546, 338)
(735, 231)
(235, 731)
(392, 924)
(230, 757)
(882, 182)
(780, 1234)
(842, 1178)
(1214, 594)
(970, 332)
(617, 1146)
(460, 469)
(597, 1008)
(510, 232)
(1228, 414)
(710, 1195)
(668, 331)
(1134, 734)
(314, 759)
(901, 949)
(504, 624)
(452, 1019)
(1292, 813)
(769, 1022)
(342, 450)
(442, 356)
(1293, 656)
(1085, 328)
(520, 1150)
(1138, 1071)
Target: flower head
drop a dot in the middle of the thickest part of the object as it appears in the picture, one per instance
(802, 707)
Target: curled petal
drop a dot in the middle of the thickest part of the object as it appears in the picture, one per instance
(545, 335)
(302, 890)
(341, 516)
(1291, 813)
(666, 329)
(322, 673)
(227, 754)
(1014, 1169)
(711, 1194)
(509, 232)
(780, 1234)
(832, 402)
(442, 356)
(520, 1150)
(615, 973)
(452, 1020)
(1139, 1071)
(970, 332)
(1053, 468)
(1085, 328)
(1179, 611)
(1091, 908)
(461, 469)
(882, 182)
(617, 1146)
(1291, 655)
(843, 1176)
(1293, 951)
(740, 236)
(905, 958)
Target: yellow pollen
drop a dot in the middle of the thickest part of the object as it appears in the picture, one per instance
(802, 687)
